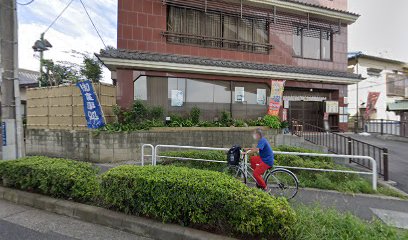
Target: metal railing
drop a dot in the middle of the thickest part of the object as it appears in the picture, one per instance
(381, 126)
(152, 155)
(344, 145)
(373, 172)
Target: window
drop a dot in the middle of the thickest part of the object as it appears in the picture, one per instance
(397, 85)
(140, 88)
(214, 29)
(313, 43)
(199, 91)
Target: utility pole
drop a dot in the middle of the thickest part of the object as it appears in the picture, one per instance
(12, 134)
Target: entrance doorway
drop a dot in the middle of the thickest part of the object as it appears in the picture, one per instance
(307, 112)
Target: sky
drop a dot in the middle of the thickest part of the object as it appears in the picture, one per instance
(72, 31)
(379, 31)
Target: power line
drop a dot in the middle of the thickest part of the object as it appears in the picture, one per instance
(386, 83)
(96, 29)
(25, 4)
(58, 16)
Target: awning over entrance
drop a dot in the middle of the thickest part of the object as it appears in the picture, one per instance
(122, 59)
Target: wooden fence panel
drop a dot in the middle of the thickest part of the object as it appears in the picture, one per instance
(62, 107)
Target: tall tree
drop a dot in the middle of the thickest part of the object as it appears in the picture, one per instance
(91, 69)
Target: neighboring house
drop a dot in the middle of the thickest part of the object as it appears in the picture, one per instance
(28, 79)
(222, 56)
(386, 76)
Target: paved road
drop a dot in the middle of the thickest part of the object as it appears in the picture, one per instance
(20, 222)
(397, 158)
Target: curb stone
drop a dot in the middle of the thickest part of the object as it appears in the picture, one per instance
(138, 225)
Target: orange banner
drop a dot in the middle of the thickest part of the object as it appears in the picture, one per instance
(275, 101)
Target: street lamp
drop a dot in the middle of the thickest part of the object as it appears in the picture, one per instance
(41, 46)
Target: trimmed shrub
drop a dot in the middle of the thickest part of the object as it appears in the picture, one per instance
(203, 199)
(55, 177)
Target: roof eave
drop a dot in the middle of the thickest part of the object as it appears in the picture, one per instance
(345, 17)
(114, 63)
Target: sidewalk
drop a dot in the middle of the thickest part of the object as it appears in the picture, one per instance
(23, 222)
(389, 209)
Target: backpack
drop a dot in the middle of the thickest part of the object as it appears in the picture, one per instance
(233, 155)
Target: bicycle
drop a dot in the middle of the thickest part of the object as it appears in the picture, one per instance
(280, 181)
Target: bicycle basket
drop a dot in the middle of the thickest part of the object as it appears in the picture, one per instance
(233, 155)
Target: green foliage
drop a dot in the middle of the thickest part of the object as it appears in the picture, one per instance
(67, 72)
(208, 155)
(156, 113)
(58, 73)
(195, 115)
(255, 123)
(226, 118)
(315, 223)
(52, 176)
(198, 198)
(239, 123)
(343, 182)
(91, 69)
(272, 121)
(284, 124)
(138, 117)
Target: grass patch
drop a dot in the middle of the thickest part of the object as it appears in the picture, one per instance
(315, 223)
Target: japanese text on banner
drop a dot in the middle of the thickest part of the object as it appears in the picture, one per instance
(92, 108)
(275, 101)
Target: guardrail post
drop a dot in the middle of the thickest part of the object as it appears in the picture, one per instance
(349, 148)
(356, 125)
(382, 127)
(385, 163)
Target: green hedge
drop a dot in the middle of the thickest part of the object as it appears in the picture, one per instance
(204, 199)
(55, 177)
(316, 223)
(209, 155)
(344, 182)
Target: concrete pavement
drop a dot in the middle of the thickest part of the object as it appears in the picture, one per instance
(21, 222)
(397, 158)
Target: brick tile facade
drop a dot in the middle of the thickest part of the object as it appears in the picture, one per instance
(140, 24)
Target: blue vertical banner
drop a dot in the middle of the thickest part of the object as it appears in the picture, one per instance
(4, 133)
(92, 108)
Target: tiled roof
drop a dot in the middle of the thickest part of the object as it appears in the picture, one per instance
(172, 58)
(28, 77)
(320, 6)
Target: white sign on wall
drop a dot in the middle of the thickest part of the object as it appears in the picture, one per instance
(177, 98)
(332, 107)
(261, 96)
(239, 94)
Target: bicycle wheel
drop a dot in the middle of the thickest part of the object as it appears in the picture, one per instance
(236, 172)
(282, 183)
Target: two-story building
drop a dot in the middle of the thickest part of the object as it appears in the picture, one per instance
(223, 55)
(387, 77)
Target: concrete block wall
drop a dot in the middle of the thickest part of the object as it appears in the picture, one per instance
(102, 147)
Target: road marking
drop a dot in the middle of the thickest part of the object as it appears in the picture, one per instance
(392, 218)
